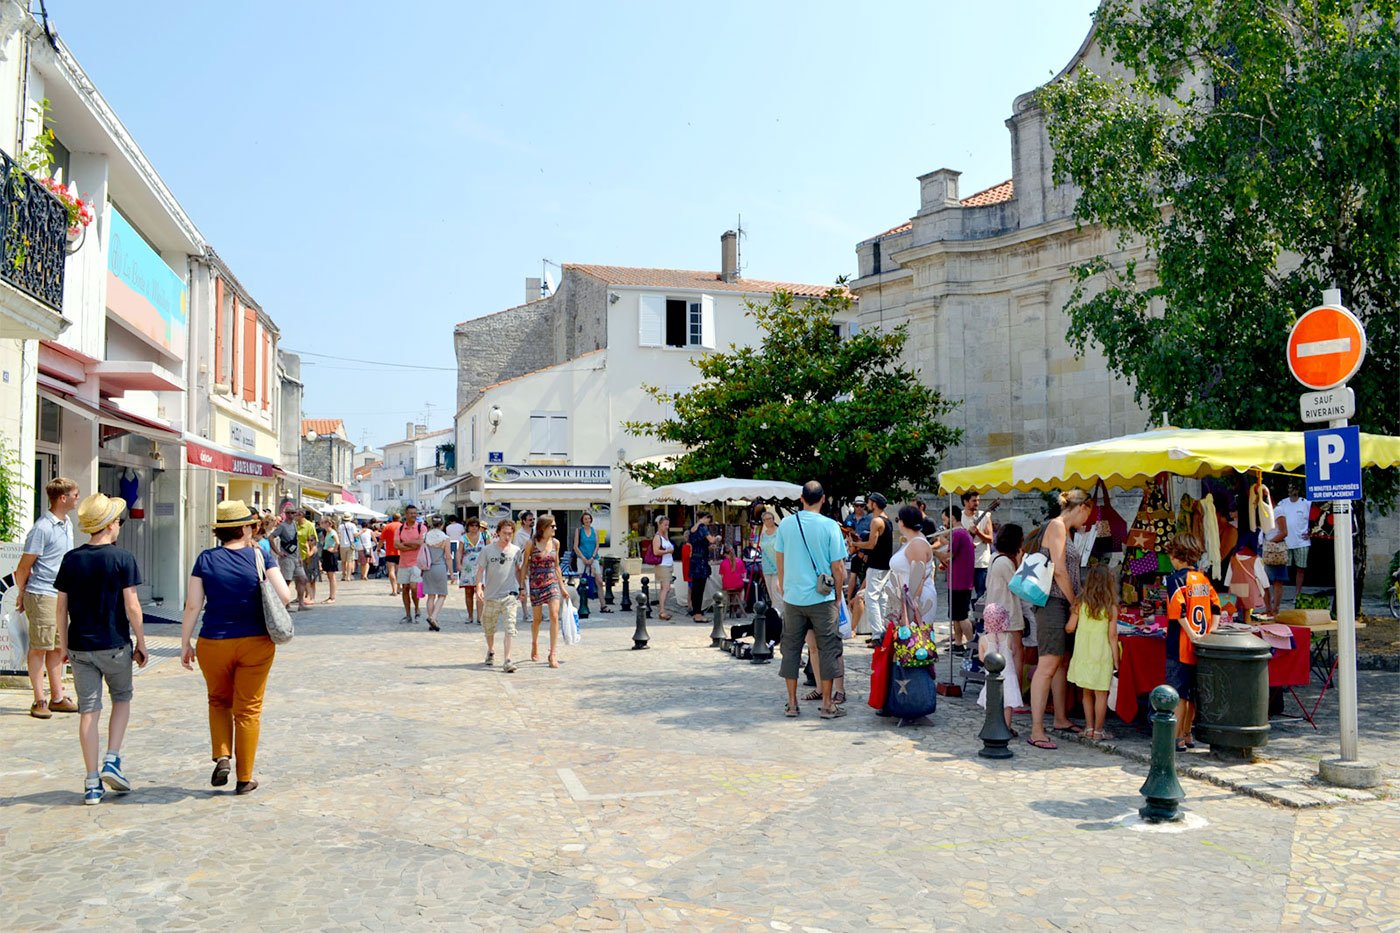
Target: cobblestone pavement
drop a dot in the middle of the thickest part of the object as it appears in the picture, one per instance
(404, 783)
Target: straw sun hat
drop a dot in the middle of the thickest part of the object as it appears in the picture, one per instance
(233, 513)
(97, 511)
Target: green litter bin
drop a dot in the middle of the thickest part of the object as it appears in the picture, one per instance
(1232, 693)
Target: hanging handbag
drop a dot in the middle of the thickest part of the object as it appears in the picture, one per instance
(1032, 582)
(275, 615)
(1111, 528)
(1142, 539)
(1275, 554)
(913, 638)
(1143, 565)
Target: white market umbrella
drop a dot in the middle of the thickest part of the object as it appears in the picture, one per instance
(725, 489)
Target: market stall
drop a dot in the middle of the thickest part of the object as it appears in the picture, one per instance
(1135, 544)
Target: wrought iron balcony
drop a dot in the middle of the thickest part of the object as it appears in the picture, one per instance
(33, 236)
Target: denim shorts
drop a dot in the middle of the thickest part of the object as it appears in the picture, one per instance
(1182, 679)
(91, 668)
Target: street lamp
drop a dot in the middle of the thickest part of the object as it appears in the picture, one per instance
(494, 416)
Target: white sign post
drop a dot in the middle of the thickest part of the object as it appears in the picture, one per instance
(1325, 349)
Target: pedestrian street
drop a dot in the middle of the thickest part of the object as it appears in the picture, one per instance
(406, 785)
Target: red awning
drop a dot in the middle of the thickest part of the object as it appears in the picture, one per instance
(204, 454)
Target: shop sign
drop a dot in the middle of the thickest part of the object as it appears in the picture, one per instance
(1327, 406)
(212, 459)
(142, 290)
(493, 512)
(241, 436)
(525, 473)
(496, 456)
(1326, 347)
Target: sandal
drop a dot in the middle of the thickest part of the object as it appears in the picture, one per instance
(839, 697)
(835, 712)
(790, 710)
(664, 618)
(1042, 743)
(433, 626)
(1072, 728)
(1181, 746)
(812, 696)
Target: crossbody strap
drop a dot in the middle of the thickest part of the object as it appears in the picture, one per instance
(797, 517)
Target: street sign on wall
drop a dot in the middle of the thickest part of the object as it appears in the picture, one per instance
(1326, 347)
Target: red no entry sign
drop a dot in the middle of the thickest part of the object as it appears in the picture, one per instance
(1326, 347)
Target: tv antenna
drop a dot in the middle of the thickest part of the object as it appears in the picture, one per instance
(739, 244)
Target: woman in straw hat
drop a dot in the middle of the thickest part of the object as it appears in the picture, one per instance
(235, 654)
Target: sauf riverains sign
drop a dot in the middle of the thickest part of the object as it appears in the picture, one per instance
(524, 473)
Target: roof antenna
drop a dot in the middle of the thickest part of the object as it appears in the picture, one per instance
(739, 245)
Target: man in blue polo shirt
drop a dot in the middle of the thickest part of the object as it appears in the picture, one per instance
(44, 547)
(811, 555)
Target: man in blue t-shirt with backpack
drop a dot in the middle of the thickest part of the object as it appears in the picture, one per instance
(811, 555)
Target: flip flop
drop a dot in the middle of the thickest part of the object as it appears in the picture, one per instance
(1042, 743)
(1072, 728)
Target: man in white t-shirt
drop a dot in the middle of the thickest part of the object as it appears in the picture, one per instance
(1296, 511)
(455, 529)
(499, 575)
(345, 537)
(522, 538)
(979, 525)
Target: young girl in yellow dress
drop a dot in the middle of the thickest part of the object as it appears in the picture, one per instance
(1095, 645)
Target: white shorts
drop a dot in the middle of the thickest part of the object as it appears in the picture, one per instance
(410, 573)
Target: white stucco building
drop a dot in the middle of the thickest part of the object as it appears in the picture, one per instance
(409, 473)
(552, 438)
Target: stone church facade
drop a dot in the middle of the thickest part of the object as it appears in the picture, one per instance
(982, 282)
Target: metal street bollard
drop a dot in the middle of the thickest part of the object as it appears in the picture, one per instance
(994, 735)
(717, 633)
(646, 595)
(609, 578)
(1162, 789)
(582, 589)
(639, 637)
(626, 592)
(762, 654)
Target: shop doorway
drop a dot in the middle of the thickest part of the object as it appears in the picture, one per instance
(113, 480)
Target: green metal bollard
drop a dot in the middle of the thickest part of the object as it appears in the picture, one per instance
(717, 633)
(1161, 789)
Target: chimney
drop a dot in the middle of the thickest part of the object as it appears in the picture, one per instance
(419, 430)
(532, 290)
(938, 190)
(408, 430)
(729, 256)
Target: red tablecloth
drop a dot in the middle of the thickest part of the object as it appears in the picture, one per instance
(1144, 666)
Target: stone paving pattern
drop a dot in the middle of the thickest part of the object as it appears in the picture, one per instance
(404, 784)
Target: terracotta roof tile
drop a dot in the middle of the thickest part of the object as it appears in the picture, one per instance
(323, 426)
(996, 194)
(699, 281)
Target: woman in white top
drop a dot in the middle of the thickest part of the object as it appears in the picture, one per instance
(910, 566)
(1004, 565)
(662, 544)
(468, 557)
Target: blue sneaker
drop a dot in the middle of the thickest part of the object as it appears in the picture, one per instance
(112, 774)
(92, 792)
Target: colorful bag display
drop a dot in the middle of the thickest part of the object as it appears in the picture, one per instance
(1111, 528)
(1142, 539)
(1142, 565)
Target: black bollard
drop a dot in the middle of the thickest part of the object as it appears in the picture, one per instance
(646, 595)
(626, 592)
(609, 577)
(762, 654)
(994, 735)
(717, 633)
(639, 637)
(582, 598)
(1161, 789)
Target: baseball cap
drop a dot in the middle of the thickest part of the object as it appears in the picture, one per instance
(878, 499)
(860, 500)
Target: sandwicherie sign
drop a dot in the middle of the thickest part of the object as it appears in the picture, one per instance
(526, 473)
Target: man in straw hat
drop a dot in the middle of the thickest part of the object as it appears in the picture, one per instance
(97, 612)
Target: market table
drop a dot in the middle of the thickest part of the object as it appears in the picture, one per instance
(1144, 666)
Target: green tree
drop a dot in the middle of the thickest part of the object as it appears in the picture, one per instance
(805, 404)
(1254, 150)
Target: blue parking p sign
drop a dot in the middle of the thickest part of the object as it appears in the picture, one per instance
(1333, 463)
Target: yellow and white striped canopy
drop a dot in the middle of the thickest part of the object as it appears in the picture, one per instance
(1133, 459)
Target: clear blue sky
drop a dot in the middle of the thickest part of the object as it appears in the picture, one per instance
(375, 173)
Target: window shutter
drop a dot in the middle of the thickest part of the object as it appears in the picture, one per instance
(559, 435)
(539, 434)
(651, 323)
(707, 322)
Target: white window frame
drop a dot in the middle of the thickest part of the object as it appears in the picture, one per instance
(555, 439)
